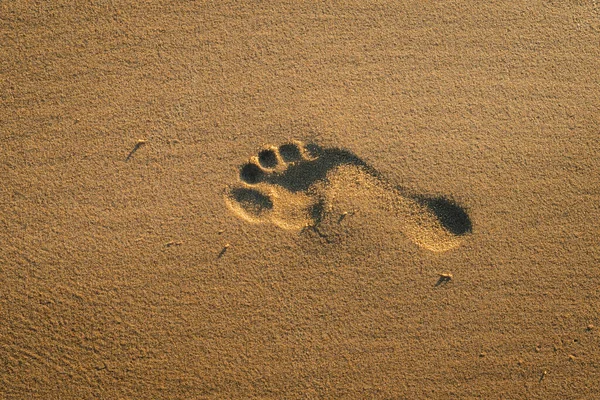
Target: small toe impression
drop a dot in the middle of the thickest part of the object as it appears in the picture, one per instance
(290, 152)
(267, 158)
(312, 150)
(251, 173)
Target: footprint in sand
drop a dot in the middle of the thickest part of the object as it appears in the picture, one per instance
(296, 186)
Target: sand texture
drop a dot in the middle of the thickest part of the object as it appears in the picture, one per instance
(290, 199)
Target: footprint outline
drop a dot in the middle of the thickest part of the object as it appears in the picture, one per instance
(290, 186)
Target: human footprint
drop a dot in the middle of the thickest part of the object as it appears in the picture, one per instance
(295, 186)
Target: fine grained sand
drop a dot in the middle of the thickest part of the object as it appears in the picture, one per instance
(128, 276)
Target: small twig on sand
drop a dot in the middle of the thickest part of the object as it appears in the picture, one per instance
(345, 214)
(139, 144)
(222, 253)
(444, 278)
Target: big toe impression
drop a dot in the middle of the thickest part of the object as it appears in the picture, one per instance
(250, 204)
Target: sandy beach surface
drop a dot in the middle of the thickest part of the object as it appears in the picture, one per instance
(299, 199)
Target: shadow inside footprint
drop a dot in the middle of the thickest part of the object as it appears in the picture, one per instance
(452, 216)
(252, 200)
(298, 177)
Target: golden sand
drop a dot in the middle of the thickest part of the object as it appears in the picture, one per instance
(367, 199)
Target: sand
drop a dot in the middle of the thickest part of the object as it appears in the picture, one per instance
(169, 268)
